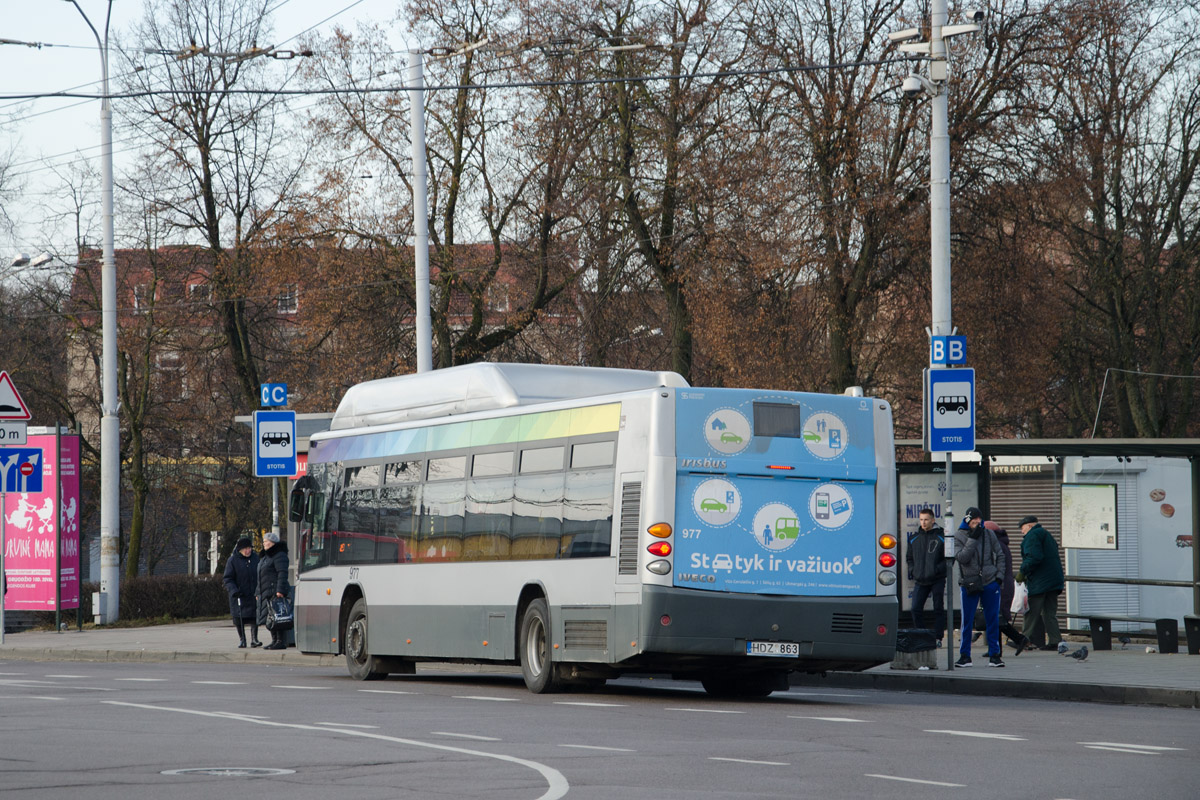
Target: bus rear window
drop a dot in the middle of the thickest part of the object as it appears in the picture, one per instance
(777, 419)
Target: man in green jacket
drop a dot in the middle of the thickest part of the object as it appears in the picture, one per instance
(1042, 573)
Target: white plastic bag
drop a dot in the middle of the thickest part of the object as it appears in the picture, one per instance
(1020, 603)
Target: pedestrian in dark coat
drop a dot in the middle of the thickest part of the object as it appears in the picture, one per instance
(927, 571)
(241, 582)
(1009, 587)
(1042, 574)
(272, 583)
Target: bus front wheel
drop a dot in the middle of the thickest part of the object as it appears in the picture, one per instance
(536, 664)
(362, 665)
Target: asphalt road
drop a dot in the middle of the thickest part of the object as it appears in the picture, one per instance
(190, 731)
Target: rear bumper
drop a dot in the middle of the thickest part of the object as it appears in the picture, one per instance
(710, 629)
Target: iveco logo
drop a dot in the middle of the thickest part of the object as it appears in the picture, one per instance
(692, 577)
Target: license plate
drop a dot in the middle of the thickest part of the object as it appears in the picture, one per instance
(783, 649)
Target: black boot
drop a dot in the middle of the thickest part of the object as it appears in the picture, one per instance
(241, 629)
(277, 642)
(254, 642)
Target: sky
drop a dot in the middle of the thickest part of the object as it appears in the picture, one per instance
(45, 135)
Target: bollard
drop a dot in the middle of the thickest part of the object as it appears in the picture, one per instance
(1101, 633)
(1191, 627)
(1168, 635)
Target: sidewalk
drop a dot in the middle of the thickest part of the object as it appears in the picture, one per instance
(1130, 676)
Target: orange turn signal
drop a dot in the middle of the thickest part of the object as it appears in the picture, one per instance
(887, 541)
(660, 529)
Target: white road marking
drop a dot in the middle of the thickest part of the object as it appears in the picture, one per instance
(597, 747)
(705, 710)
(557, 782)
(221, 683)
(592, 705)
(484, 697)
(310, 688)
(814, 694)
(65, 676)
(348, 725)
(45, 697)
(977, 735)
(385, 691)
(915, 780)
(14, 673)
(748, 761)
(1135, 746)
(465, 736)
(142, 680)
(829, 719)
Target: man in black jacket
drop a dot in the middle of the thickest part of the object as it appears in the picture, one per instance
(927, 571)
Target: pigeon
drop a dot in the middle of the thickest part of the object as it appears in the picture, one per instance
(1063, 647)
(1081, 654)
(1124, 640)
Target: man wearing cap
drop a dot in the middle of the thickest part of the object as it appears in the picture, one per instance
(1042, 573)
(980, 572)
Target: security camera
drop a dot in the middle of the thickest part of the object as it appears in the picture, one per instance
(911, 86)
(976, 14)
(906, 35)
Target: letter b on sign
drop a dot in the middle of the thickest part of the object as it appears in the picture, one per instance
(947, 350)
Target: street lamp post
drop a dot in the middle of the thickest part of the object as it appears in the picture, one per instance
(937, 87)
(110, 429)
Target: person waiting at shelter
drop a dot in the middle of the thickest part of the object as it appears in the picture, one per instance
(926, 559)
(980, 564)
(1042, 573)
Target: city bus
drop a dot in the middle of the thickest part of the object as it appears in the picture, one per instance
(584, 523)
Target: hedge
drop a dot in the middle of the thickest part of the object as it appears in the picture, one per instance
(167, 598)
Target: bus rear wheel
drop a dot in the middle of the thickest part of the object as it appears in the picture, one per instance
(536, 665)
(362, 665)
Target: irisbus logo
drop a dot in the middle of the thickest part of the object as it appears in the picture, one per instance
(702, 463)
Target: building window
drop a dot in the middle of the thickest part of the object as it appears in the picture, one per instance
(289, 301)
(200, 292)
(142, 297)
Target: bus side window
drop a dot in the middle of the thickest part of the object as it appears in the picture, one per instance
(587, 514)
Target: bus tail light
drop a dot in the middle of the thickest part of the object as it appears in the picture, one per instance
(887, 578)
(887, 560)
(887, 541)
(660, 549)
(660, 529)
(882, 629)
(659, 567)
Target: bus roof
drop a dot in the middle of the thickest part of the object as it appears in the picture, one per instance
(479, 387)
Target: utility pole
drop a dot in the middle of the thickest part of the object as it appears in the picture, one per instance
(936, 86)
(110, 427)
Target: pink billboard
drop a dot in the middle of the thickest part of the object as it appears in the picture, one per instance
(32, 529)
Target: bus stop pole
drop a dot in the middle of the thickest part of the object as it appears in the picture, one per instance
(948, 552)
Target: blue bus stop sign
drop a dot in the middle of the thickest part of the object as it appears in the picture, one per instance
(274, 444)
(949, 410)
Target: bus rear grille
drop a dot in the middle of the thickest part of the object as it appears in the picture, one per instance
(631, 512)
(586, 634)
(846, 623)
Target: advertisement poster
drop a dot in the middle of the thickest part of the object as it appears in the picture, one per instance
(927, 489)
(779, 504)
(32, 530)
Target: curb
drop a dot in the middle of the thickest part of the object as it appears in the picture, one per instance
(292, 658)
(985, 687)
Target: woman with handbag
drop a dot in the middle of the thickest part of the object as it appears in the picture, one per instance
(273, 584)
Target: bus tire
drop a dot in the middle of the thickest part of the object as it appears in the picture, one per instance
(362, 665)
(537, 667)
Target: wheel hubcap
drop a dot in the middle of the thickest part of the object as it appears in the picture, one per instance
(356, 639)
(537, 647)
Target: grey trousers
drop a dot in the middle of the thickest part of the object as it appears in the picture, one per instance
(1041, 622)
